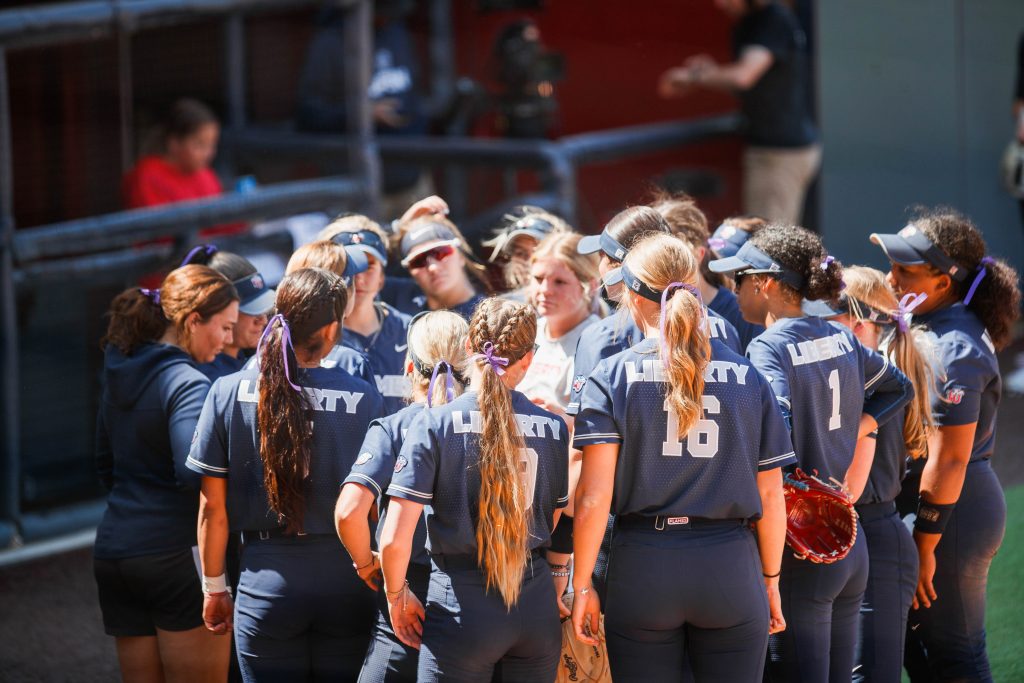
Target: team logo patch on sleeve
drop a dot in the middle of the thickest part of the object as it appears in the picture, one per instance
(401, 463)
(578, 383)
(364, 458)
(195, 435)
(954, 396)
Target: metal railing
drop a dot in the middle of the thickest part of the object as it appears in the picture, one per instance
(26, 256)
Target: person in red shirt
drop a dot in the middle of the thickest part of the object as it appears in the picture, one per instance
(181, 170)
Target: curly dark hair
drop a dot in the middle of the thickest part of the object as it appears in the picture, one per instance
(996, 302)
(802, 251)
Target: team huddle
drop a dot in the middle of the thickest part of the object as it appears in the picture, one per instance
(405, 479)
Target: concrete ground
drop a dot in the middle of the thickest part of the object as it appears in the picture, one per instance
(50, 625)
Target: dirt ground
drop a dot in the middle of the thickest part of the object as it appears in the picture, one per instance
(50, 625)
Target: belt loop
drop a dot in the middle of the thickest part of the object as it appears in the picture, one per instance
(659, 523)
(264, 535)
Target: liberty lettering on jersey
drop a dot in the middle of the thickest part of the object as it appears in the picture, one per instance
(325, 400)
(393, 385)
(472, 422)
(652, 370)
(816, 350)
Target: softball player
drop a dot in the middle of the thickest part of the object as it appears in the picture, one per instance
(686, 436)
(153, 393)
(726, 241)
(436, 363)
(272, 445)
(870, 309)
(820, 373)
(973, 301)
(374, 328)
(493, 467)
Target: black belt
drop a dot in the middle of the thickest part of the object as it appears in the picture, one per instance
(455, 562)
(678, 523)
(257, 535)
(869, 512)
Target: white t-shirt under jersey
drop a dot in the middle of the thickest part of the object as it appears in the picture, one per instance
(550, 374)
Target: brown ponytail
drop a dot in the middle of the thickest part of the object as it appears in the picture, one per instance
(137, 318)
(909, 350)
(307, 300)
(503, 529)
(659, 261)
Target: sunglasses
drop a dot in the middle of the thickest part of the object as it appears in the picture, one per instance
(437, 254)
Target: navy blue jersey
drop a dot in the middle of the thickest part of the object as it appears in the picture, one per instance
(223, 364)
(820, 374)
(226, 444)
(438, 467)
(403, 294)
(148, 411)
(376, 464)
(342, 357)
(726, 305)
(615, 334)
(711, 471)
(972, 386)
(386, 351)
(890, 464)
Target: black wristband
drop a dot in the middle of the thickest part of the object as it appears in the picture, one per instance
(561, 537)
(932, 517)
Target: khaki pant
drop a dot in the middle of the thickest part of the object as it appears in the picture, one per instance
(775, 181)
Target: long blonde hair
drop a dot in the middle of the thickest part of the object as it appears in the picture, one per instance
(909, 350)
(503, 530)
(659, 261)
(321, 254)
(438, 336)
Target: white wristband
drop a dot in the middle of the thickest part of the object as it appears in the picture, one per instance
(215, 584)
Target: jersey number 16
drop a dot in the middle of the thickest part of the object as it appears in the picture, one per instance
(702, 437)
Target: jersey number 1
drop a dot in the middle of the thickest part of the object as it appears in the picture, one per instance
(835, 420)
(701, 439)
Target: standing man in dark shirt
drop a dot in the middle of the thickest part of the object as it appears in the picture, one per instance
(770, 76)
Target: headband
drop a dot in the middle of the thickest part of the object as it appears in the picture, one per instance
(208, 249)
(151, 294)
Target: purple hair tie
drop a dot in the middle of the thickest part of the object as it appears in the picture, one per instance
(717, 243)
(665, 296)
(986, 261)
(286, 342)
(826, 262)
(151, 294)
(496, 362)
(449, 384)
(906, 306)
(209, 249)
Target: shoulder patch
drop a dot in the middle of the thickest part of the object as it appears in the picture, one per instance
(400, 463)
(954, 396)
(578, 383)
(195, 435)
(364, 458)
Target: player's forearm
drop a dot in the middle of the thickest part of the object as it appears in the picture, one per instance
(213, 537)
(860, 467)
(394, 560)
(589, 525)
(943, 477)
(350, 517)
(575, 469)
(771, 528)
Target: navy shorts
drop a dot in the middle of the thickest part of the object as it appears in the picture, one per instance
(685, 599)
(469, 634)
(139, 595)
(301, 609)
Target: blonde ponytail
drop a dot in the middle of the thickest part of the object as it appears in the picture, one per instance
(667, 268)
(906, 346)
(507, 330)
(438, 338)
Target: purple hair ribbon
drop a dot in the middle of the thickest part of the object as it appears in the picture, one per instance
(717, 243)
(907, 305)
(152, 294)
(210, 250)
(827, 261)
(665, 296)
(987, 261)
(449, 384)
(286, 342)
(496, 362)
